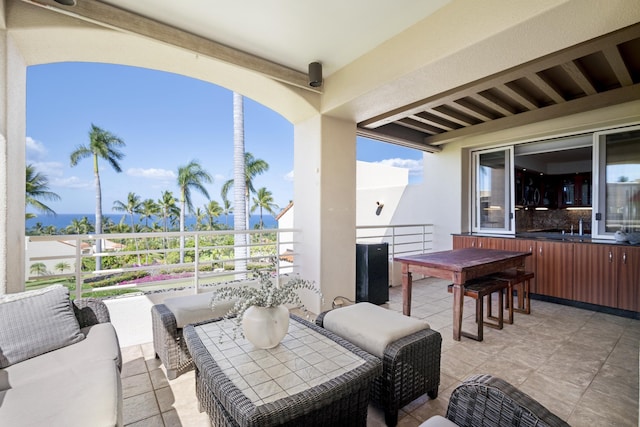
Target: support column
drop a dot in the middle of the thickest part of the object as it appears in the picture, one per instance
(13, 80)
(325, 206)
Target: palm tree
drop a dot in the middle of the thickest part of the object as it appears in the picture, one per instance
(252, 167)
(169, 210)
(62, 266)
(200, 215)
(148, 209)
(213, 210)
(240, 218)
(264, 201)
(132, 207)
(190, 177)
(80, 226)
(227, 209)
(38, 269)
(37, 189)
(102, 144)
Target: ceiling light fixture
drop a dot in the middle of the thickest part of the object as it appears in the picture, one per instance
(315, 74)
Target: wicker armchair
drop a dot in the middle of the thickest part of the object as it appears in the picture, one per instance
(410, 368)
(483, 400)
(169, 343)
(91, 311)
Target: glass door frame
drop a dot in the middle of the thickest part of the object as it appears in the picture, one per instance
(509, 212)
(599, 178)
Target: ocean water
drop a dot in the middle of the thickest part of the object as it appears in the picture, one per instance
(63, 220)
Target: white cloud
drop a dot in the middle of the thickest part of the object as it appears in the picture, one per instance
(50, 169)
(219, 178)
(289, 176)
(414, 166)
(72, 182)
(35, 150)
(151, 173)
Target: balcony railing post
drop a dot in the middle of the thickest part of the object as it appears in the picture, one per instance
(78, 268)
(196, 268)
(278, 257)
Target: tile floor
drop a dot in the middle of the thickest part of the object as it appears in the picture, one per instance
(580, 364)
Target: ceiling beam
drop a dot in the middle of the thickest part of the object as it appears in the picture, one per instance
(579, 105)
(529, 68)
(617, 64)
(545, 87)
(437, 121)
(518, 97)
(114, 18)
(390, 138)
(577, 74)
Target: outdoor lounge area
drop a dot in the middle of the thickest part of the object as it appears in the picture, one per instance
(582, 365)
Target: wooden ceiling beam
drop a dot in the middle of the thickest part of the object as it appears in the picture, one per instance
(437, 121)
(419, 126)
(545, 87)
(578, 75)
(469, 108)
(579, 105)
(530, 68)
(617, 64)
(392, 138)
(108, 16)
(457, 116)
(518, 97)
(493, 102)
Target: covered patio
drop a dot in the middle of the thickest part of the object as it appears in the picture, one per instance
(580, 364)
(445, 77)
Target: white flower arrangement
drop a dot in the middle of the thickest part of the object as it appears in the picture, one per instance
(268, 294)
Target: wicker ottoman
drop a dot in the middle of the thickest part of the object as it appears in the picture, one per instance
(170, 318)
(409, 350)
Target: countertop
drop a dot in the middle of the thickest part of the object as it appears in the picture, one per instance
(550, 236)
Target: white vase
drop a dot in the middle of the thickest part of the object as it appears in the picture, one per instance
(265, 327)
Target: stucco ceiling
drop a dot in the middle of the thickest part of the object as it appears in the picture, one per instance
(419, 73)
(292, 33)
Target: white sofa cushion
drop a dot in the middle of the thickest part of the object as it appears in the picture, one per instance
(101, 343)
(36, 322)
(86, 393)
(371, 327)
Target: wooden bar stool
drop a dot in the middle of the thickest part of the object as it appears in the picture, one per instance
(478, 289)
(522, 281)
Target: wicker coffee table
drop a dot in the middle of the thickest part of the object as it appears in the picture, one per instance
(312, 378)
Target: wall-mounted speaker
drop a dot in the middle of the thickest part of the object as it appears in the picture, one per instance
(315, 74)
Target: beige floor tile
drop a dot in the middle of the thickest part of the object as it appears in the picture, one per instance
(133, 367)
(620, 410)
(131, 353)
(166, 399)
(154, 421)
(158, 378)
(139, 407)
(136, 384)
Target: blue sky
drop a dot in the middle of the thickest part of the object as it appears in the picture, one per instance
(166, 120)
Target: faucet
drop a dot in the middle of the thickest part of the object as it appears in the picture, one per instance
(572, 229)
(580, 222)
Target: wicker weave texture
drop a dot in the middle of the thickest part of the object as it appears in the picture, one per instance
(90, 311)
(169, 343)
(342, 401)
(483, 400)
(411, 368)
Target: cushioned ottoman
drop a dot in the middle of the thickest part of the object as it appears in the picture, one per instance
(169, 318)
(409, 349)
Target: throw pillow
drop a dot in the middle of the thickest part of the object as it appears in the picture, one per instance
(36, 322)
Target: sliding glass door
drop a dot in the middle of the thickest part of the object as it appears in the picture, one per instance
(617, 172)
(493, 191)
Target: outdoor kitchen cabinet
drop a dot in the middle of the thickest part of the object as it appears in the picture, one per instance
(628, 277)
(524, 245)
(554, 269)
(595, 274)
(460, 242)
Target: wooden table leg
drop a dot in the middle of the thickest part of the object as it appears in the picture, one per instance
(407, 282)
(458, 292)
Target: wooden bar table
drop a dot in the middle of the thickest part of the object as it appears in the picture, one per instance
(459, 266)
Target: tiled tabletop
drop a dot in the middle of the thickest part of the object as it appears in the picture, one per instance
(303, 359)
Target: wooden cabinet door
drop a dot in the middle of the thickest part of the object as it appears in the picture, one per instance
(520, 245)
(628, 277)
(490, 242)
(554, 269)
(594, 274)
(460, 242)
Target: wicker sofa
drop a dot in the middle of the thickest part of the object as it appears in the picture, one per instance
(59, 362)
(409, 349)
(484, 400)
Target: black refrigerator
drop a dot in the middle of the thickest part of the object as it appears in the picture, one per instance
(372, 273)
